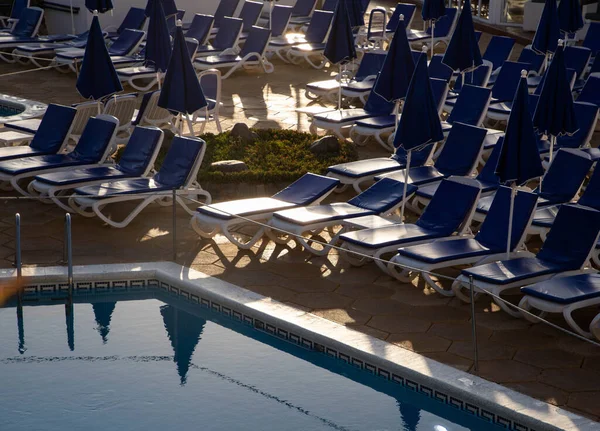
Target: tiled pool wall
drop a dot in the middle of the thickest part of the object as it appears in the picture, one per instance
(444, 384)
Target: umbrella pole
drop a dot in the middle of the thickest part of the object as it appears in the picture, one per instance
(340, 90)
(552, 142)
(513, 193)
(270, 14)
(405, 186)
(99, 107)
(158, 79)
(72, 17)
(397, 114)
(432, 32)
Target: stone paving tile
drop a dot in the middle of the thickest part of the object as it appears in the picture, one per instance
(370, 331)
(586, 402)
(363, 290)
(547, 358)
(486, 350)
(541, 391)
(399, 324)
(451, 359)
(322, 300)
(507, 371)
(522, 338)
(459, 331)
(571, 380)
(420, 342)
(344, 316)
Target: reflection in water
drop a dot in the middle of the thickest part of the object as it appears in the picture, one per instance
(21, 329)
(184, 331)
(103, 313)
(410, 416)
(69, 316)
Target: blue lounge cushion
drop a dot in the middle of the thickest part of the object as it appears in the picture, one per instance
(74, 176)
(36, 163)
(53, 130)
(123, 187)
(544, 217)
(9, 153)
(343, 116)
(307, 189)
(416, 176)
(382, 122)
(443, 251)
(28, 126)
(386, 236)
(510, 271)
(566, 290)
(244, 208)
(322, 213)
(382, 196)
(361, 168)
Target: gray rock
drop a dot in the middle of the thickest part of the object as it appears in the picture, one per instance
(229, 166)
(241, 131)
(327, 144)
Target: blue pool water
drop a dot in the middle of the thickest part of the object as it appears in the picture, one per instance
(149, 361)
(7, 110)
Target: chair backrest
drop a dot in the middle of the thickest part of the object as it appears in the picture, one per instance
(471, 105)
(439, 89)
(226, 8)
(318, 27)
(329, 5)
(591, 90)
(370, 65)
(378, 105)
(85, 110)
(150, 113)
(591, 195)
(141, 150)
(498, 50)
(53, 133)
(493, 231)
(17, 7)
(210, 81)
(595, 68)
(439, 70)
(172, 21)
(479, 77)
(461, 150)
(228, 34)
(592, 38)
(192, 47)
(508, 80)
(572, 237)
(249, 14)
(303, 7)
(280, 19)
(122, 108)
(181, 164)
(406, 9)
(381, 197)
(534, 60)
(29, 22)
(258, 39)
(200, 27)
(587, 115)
(488, 171)
(451, 207)
(445, 25)
(127, 42)
(135, 20)
(417, 157)
(565, 175)
(577, 58)
(94, 144)
(307, 189)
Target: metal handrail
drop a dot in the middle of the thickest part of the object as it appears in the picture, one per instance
(69, 249)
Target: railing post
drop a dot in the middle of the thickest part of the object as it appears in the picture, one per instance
(18, 262)
(69, 250)
(474, 324)
(174, 228)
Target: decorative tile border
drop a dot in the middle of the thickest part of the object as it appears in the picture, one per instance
(239, 310)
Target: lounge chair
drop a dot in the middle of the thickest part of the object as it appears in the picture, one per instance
(566, 251)
(177, 174)
(200, 28)
(576, 59)
(226, 39)
(9, 21)
(26, 126)
(564, 295)
(560, 184)
(225, 9)
(591, 90)
(437, 69)
(249, 15)
(135, 19)
(143, 78)
(316, 32)
(137, 160)
(382, 198)
(379, 126)
(172, 21)
(498, 51)
(124, 46)
(459, 157)
(504, 89)
(34, 51)
(50, 138)
(93, 147)
(470, 107)
(122, 107)
(442, 32)
(489, 245)
(251, 55)
(479, 78)
(85, 111)
(405, 9)
(534, 62)
(341, 120)
(223, 217)
(302, 12)
(592, 38)
(210, 81)
(448, 214)
(59, 114)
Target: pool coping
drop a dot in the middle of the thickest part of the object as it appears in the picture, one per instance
(477, 396)
(33, 109)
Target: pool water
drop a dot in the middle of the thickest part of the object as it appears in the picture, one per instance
(7, 110)
(150, 361)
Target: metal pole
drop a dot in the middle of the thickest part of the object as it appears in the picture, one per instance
(18, 264)
(174, 226)
(69, 254)
(474, 324)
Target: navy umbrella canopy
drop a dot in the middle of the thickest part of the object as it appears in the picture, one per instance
(570, 18)
(169, 7)
(410, 415)
(158, 41)
(356, 12)
(432, 10)
(103, 314)
(98, 77)
(519, 160)
(463, 52)
(419, 124)
(181, 92)
(340, 48)
(547, 34)
(102, 6)
(555, 114)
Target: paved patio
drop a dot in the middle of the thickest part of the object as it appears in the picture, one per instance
(533, 359)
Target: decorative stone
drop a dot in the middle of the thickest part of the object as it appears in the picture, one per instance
(327, 144)
(241, 131)
(229, 166)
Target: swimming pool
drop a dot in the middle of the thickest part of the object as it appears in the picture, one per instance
(147, 360)
(14, 108)
(137, 359)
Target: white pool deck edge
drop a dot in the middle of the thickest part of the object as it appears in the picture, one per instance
(528, 411)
